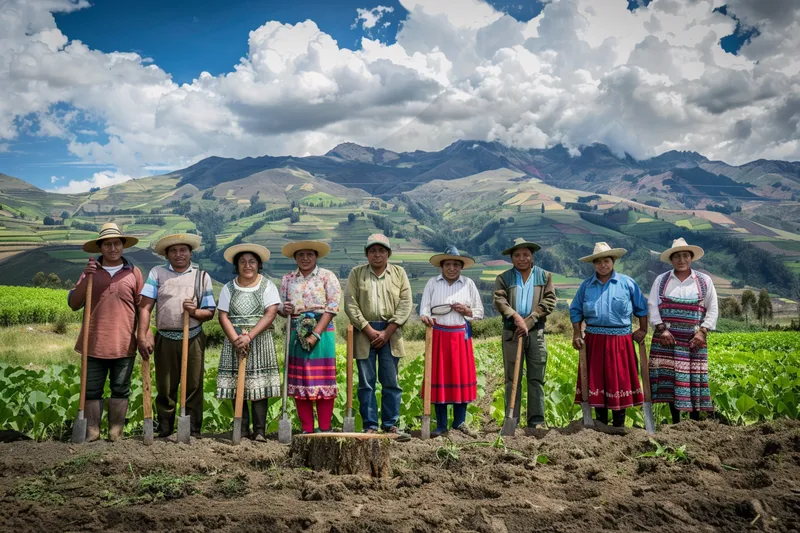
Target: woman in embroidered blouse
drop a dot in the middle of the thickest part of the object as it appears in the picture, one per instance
(311, 297)
(247, 307)
(449, 302)
(683, 309)
(605, 302)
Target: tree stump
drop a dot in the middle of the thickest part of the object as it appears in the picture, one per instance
(363, 454)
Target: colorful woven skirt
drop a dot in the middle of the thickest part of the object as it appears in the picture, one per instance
(312, 375)
(453, 377)
(612, 368)
(262, 376)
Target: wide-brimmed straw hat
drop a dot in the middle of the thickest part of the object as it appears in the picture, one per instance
(255, 249)
(292, 248)
(189, 239)
(378, 238)
(519, 242)
(451, 253)
(680, 245)
(109, 230)
(602, 249)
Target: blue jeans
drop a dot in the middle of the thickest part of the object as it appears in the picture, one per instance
(390, 390)
(459, 415)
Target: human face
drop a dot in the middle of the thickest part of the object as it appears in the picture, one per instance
(522, 258)
(180, 257)
(603, 266)
(378, 257)
(306, 260)
(681, 261)
(112, 251)
(247, 266)
(451, 269)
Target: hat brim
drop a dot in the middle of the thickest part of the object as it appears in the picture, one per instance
(438, 259)
(532, 246)
(614, 253)
(189, 239)
(260, 251)
(92, 247)
(696, 250)
(292, 248)
(379, 243)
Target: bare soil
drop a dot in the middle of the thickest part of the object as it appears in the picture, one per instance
(738, 479)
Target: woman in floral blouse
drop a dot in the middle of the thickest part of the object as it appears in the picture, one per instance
(311, 297)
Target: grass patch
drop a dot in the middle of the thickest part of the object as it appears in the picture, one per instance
(234, 487)
(38, 345)
(164, 485)
(74, 465)
(38, 490)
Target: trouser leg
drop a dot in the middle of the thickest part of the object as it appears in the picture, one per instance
(167, 357)
(601, 414)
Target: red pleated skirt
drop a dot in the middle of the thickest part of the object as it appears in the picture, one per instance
(613, 372)
(453, 377)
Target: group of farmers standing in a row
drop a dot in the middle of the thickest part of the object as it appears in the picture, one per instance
(682, 307)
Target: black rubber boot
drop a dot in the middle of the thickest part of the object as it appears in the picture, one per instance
(117, 409)
(246, 420)
(259, 419)
(676, 415)
(694, 415)
(601, 415)
(618, 416)
(93, 412)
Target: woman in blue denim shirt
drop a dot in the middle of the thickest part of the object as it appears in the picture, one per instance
(606, 302)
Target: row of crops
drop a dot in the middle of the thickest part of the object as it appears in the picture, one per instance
(33, 305)
(754, 377)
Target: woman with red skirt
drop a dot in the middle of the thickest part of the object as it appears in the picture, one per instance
(449, 302)
(605, 303)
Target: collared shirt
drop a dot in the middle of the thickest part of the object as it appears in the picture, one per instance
(439, 291)
(686, 289)
(320, 291)
(608, 304)
(524, 293)
(150, 289)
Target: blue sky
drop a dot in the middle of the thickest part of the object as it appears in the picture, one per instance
(71, 140)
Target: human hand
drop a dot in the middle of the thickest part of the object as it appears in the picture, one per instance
(380, 341)
(191, 306)
(578, 343)
(666, 338)
(91, 267)
(288, 308)
(698, 341)
(428, 321)
(522, 328)
(462, 309)
(639, 335)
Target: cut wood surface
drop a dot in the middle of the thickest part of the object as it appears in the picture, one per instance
(363, 454)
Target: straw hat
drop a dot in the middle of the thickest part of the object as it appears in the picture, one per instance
(602, 249)
(255, 249)
(108, 231)
(451, 253)
(519, 242)
(378, 238)
(292, 248)
(189, 239)
(680, 245)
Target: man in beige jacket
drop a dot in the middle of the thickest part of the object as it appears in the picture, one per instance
(378, 302)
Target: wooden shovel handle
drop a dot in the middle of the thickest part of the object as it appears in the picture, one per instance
(87, 318)
(645, 365)
(584, 374)
(184, 358)
(147, 396)
(515, 381)
(349, 367)
(240, 387)
(426, 384)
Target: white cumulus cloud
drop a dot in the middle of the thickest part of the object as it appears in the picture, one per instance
(102, 179)
(369, 18)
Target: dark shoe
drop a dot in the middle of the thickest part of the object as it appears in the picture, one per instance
(438, 432)
(117, 409)
(400, 436)
(196, 434)
(259, 419)
(93, 411)
(245, 420)
(371, 431)
(466, 431)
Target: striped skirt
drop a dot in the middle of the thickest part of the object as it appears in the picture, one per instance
(312, 375)
(453, 378)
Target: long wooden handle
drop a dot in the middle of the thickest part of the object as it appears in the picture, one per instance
(645, 364)
(426, 403)
(349, 368)
(584, 373)
(147, 396)
(87, 317)
(286, 363)
(184, 358)
(240, 387)
(515, 381)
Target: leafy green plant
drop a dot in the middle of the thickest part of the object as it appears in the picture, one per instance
(668, 453)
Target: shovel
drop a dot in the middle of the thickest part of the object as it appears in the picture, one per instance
(79, 428)
(510, 423)
(184, 421)
(584, 375)
(426, 386)
(285, 426)
(349, 424)
(237, 414)
(147, 403)
(647, 406)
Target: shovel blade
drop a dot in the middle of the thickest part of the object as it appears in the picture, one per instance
(184, 429)
(587, 415)
(649, 422)
(237, 431)
(147, 434)
(509, 427)
(349, 424)
(79, 430)
(425, 434)
(285, 431)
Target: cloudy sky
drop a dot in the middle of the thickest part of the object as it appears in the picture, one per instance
(94, 93)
